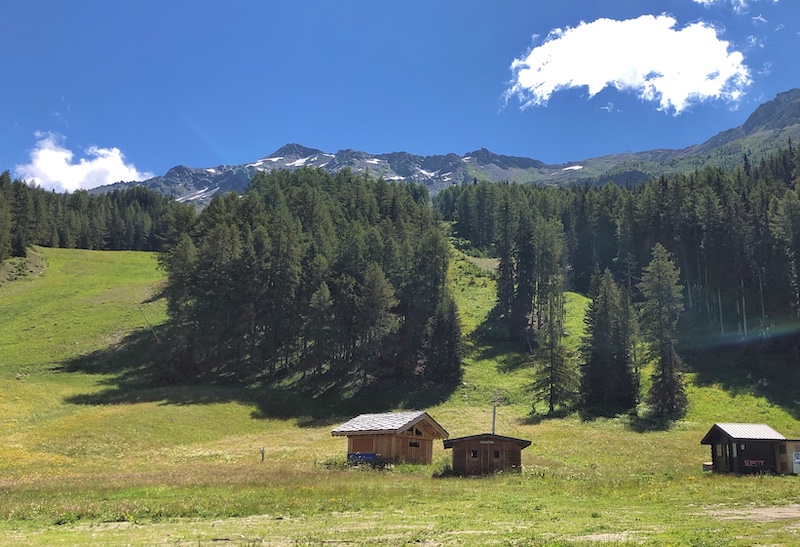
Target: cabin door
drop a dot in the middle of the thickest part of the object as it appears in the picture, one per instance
(487, 460)
(796, 463)
(413, 452)
(722, 458)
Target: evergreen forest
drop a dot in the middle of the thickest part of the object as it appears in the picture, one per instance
(344, 277)
(132, 219)
(312, 274)
(700, 268)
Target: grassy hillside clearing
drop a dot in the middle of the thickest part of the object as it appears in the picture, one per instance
(95, 451)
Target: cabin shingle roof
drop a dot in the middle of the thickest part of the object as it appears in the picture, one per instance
(387, 422)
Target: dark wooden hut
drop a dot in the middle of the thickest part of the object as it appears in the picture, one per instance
(747, 448)
(486, 453)
(392, 436)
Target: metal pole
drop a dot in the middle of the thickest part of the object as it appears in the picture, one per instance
(149, 325)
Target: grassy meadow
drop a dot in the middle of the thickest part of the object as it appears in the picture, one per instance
(96, 448)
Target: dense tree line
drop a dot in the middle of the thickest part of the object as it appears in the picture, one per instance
(132, 219)
(312, 274)
(724, 244)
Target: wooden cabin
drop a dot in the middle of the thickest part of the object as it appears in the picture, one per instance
(486, 453)
(392, 436)
(751, 448)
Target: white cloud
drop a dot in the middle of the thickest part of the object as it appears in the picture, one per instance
(52, 166)
(646, 55)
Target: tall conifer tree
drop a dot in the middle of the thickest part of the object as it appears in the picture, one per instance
(608, 382)
(556, 381)
(660, 312)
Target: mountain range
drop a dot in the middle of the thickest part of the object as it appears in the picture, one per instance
(770, 126)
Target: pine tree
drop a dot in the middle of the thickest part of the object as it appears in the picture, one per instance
(5, 229)
(556, 381)
(375, 318)
(445, 346)
(23, 214)
(319, 329)
(505, 252)
(522, 304)
(660, 313)
(608, 382)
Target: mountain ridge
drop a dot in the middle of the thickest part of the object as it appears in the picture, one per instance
(770, 125)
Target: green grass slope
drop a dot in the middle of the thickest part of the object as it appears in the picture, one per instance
(91, 454)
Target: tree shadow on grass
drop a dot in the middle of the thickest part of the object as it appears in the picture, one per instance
(600, 412)
(649, 423)
(494, 343)
(765, 366)
(510, 356)
(138, 369)
(535, 418)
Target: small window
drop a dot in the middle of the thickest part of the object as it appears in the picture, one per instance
(733, 449)
(496, 454)
(473, 453)
(413, 444)
(417, 432)
(782, 449)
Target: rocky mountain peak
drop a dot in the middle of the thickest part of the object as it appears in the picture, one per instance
(769, 127)
(295, 151)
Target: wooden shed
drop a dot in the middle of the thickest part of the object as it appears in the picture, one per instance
(392, 436)
(749, 448)
(486, 453)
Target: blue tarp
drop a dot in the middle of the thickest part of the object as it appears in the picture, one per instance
(363, 456)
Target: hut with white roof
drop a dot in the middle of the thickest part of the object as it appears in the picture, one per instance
(391, 436)
(751, 448)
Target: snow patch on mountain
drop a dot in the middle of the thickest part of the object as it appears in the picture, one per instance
(200, 195)
(298, 163)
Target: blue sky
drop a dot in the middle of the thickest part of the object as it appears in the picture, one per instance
(98, 91)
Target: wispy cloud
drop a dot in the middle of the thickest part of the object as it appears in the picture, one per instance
(608, 108)
(646, 55)
(52, 166)
(739, 6)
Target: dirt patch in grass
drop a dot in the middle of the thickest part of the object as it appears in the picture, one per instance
(756, 514)
(618, 537)
(488, 264)
(18, 268)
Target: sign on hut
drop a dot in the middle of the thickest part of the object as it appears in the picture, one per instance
(486, 453)
(392, 436)
(751, 448)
